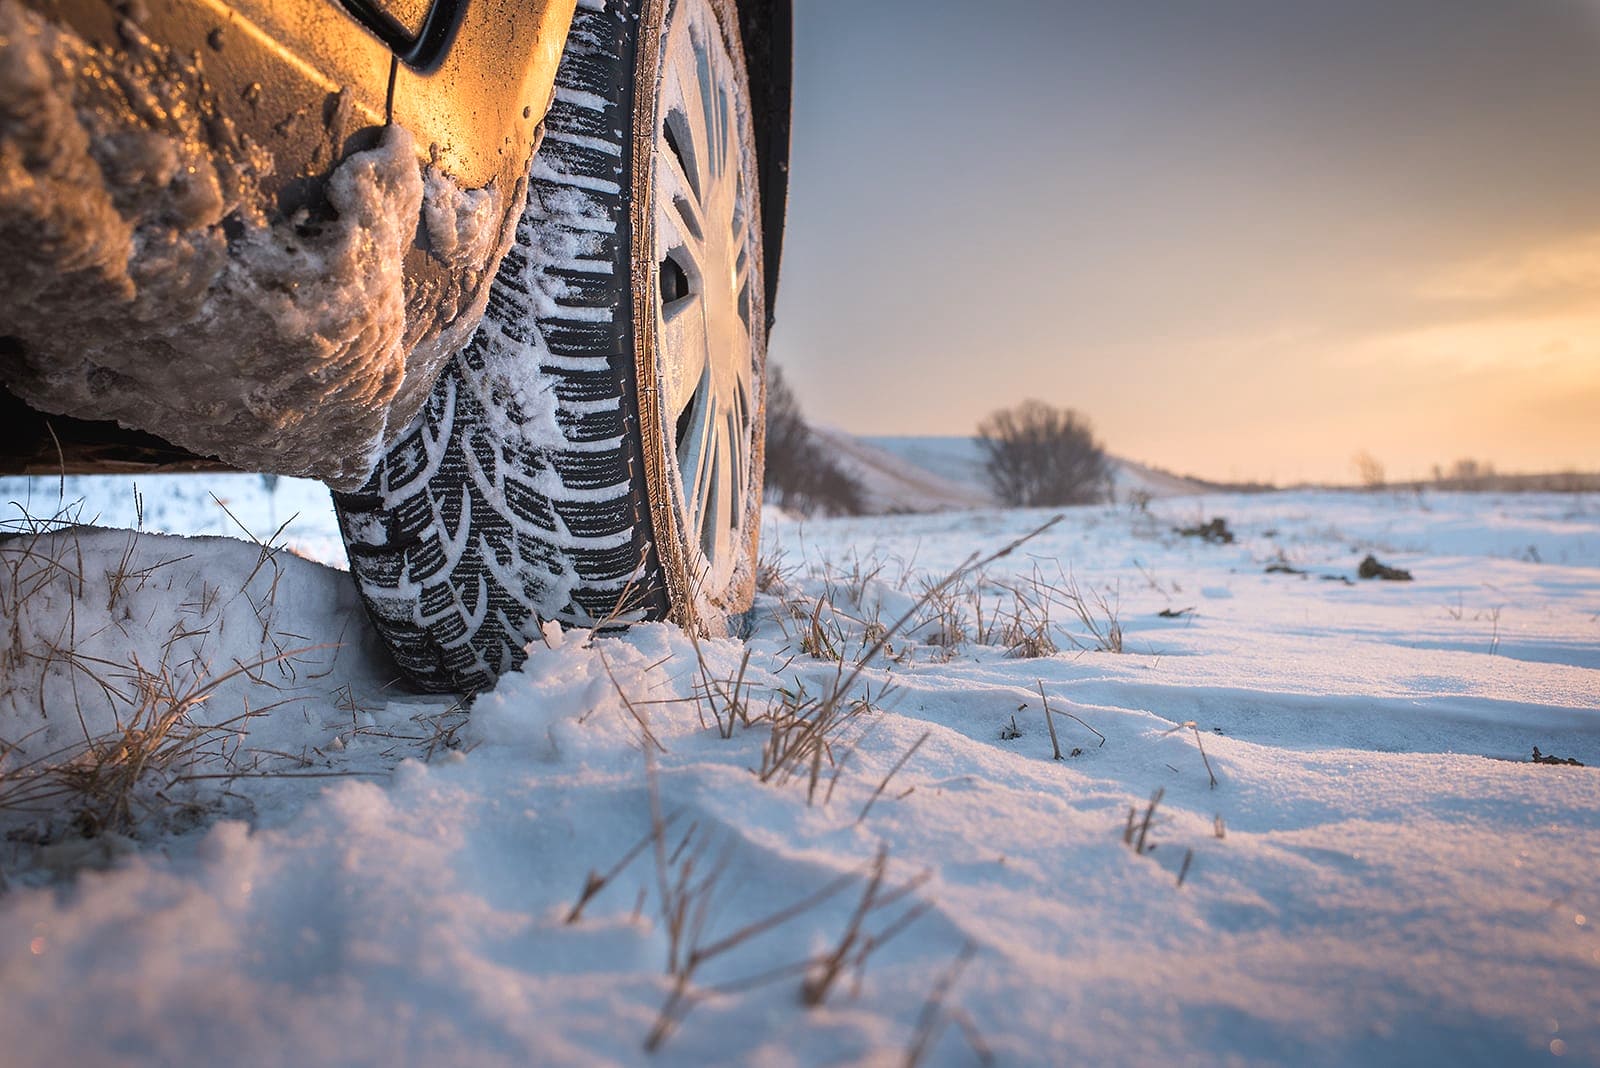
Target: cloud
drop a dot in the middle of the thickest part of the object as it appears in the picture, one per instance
(1565, 272)
(1532, 307)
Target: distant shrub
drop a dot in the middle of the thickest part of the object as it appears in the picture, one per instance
(1369, 470)
(1480, 476)
(1038, 455)
(1466, 474)
(801, 476)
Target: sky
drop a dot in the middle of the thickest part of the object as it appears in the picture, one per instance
(1246, 238)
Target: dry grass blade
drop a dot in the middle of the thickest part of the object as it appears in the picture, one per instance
(931, 1021)
(1136, 835)
(686, 886)
(699, 955)
(1202, 747)
(1070, 715)
(596, 881)
(1193, 726)
(633, 710)
(686, 906)
(817, 643)
(855, 944)
(729, 702)
(1050, 722)
(345, 773)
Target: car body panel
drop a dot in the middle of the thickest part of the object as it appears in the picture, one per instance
(279, 107)
(275, 64)
(233, 249)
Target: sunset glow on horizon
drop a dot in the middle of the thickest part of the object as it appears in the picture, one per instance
(1246, 239)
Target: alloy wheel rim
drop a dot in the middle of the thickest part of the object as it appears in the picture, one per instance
(707, 274)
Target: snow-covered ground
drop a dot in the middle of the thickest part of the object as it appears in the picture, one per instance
(352, 874)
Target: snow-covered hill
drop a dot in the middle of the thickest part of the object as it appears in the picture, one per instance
(943, 473)
(1293, 821)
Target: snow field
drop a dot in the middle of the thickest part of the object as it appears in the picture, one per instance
(1379, 875)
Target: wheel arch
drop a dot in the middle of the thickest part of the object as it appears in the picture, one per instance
(766, 29)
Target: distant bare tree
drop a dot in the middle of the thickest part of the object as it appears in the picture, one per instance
(1467, 474)
(1369, 470)
(1038, 455)
(800, 474)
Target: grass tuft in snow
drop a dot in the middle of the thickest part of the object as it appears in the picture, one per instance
(112, 781)
(804, 730)
(109, 673)
(1099, 613)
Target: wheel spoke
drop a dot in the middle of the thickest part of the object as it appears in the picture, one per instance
(719, 510)
(683, 343)
(734, 426)
(704, 472)
(704, 87)
(741, 278)
(683, 214)
(694, 120)
(682, 153)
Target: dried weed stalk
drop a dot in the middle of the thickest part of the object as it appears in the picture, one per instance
(934, 1017)
(1049, 719)
(1194, 727)
(1136, 834)
(856, 943)
(687, 886)
(898, 764)
(1100, 615)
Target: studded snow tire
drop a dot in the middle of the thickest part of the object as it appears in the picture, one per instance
(530, 486)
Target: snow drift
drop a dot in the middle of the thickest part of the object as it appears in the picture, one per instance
(1351, 858)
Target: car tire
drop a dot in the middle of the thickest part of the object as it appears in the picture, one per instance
(623, 345)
